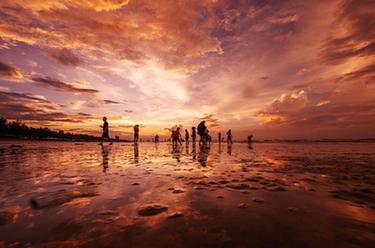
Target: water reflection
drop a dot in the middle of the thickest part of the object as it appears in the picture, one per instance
(187, 148)
(136, 153)
(204, 151)
(229, 148)
(67, 179)
(193, 150)
(105, 156)
(176, 151)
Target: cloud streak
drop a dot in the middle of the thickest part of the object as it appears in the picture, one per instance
(9, 71)
(61, 86)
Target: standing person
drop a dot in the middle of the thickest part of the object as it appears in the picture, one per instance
(105, 134)
(249, 139)
(193, 134)
(157, 138)
(207, 137)
(219, 137)
(186, 136)
(136, 133)
(176, 136)
(229, 137)
(202, 132)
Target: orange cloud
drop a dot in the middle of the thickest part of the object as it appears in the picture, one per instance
(39, 5)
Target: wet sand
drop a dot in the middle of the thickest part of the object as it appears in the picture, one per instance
(269, 195)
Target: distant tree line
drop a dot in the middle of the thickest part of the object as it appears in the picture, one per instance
(17, 129)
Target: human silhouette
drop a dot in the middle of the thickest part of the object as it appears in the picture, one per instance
(105, 135)
(229, 137)
(157, 138)
(186, 136)
(219, 137)
(136, 133)
(249, 139)
(176, 136)
(207, 137)
(193, 134)
(202, 132)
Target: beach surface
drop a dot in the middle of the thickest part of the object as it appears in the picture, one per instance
(66, 194)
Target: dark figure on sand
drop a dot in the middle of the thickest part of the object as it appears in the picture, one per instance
(136, 133)
(176, 136)
(202, 132)
(219, 137)
(186, 136)
(229, 137)
(249, 139)
(193, 134)
(105, 135)
(157, 138)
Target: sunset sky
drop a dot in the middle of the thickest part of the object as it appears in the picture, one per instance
(275, 69)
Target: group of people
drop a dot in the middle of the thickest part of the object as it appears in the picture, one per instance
(203, 132)
(201, 129)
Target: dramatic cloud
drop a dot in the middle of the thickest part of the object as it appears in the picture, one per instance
(59, 85)
(9, 71)
(66, 57)
(38, 5)
(357, 37)
(111, 102)
(272, 68)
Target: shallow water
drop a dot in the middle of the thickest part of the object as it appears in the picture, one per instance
(58, 194)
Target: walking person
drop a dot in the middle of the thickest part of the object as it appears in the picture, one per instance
(176, 137)
(136, 133)
(105, 135)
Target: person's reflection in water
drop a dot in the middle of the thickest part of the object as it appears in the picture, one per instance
(204, 150)
(250, 146)
(193, 150)
(219, 151)
(136, 153)
(229, 149)
(176, 153)
(105, 155)
(187, 148)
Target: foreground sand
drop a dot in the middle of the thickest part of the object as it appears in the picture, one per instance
(268, 195)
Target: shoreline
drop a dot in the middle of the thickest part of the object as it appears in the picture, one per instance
(371, 140)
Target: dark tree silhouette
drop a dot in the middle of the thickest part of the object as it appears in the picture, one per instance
(17, 129)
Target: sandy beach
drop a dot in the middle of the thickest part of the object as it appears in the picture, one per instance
(62, 194)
